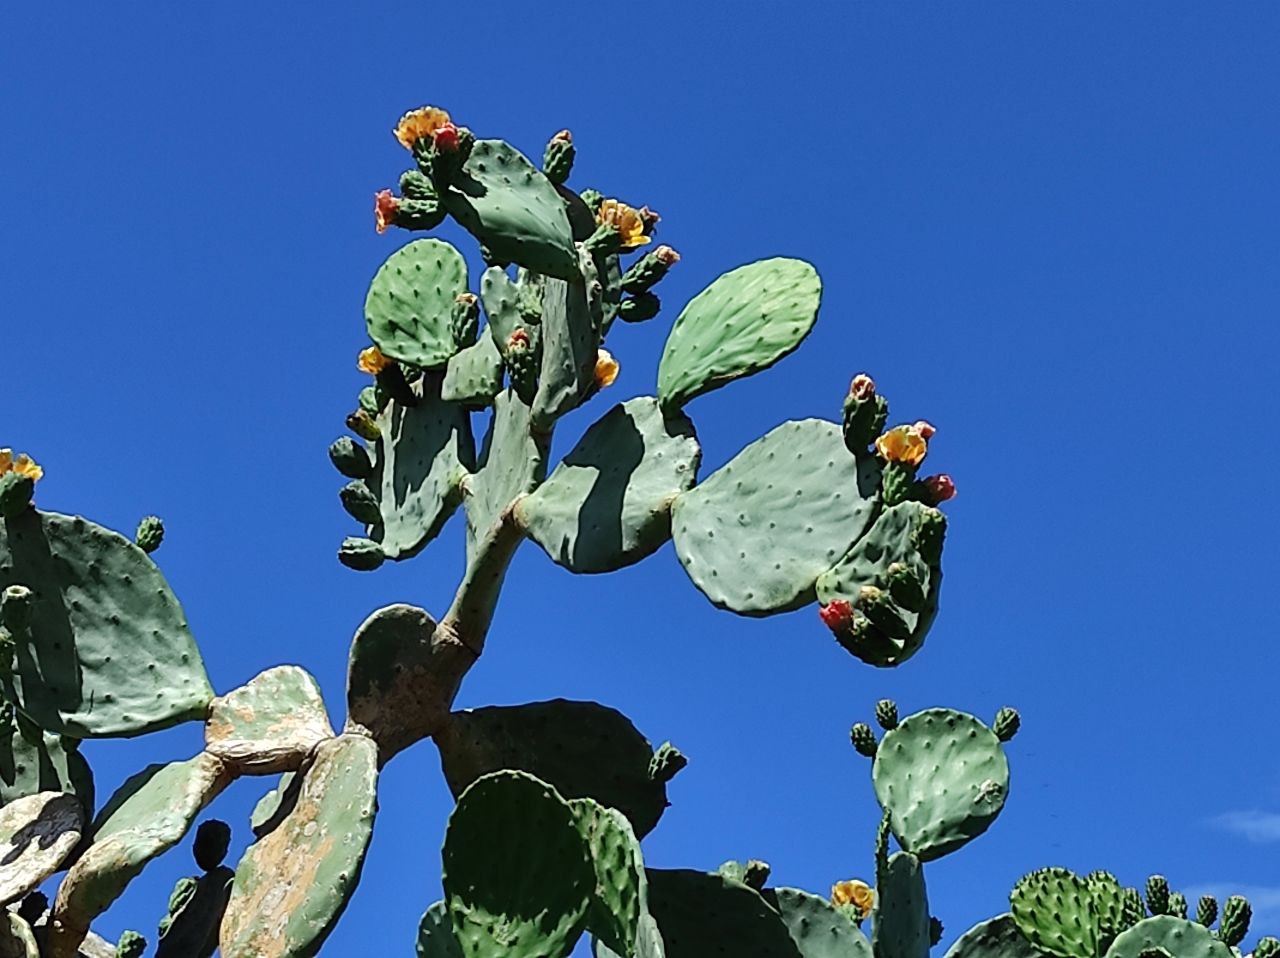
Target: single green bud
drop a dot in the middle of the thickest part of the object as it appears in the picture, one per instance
(16, 490)
(905, 587)
(756, 874)
(887, 714)
(529, 293)
(1267, 947)
(865, 413)
(557, 160)
(150, 534)
(363, 425)
(213, 838)
(666, 763)
(464, 320)
(522, 361)
(863, 739)
(935, 931)
(1178, 905)
(363, 555)
(592, 199)
(927, 536)
(878, 606)
(1007, 723)
(896, 482)
(1132, 909)
(639, 308)
(1236, 915)
(183, 892)
(415, 186)
(1158, 895)
(645, 272)
(17, 605)
(131, 945)
(1207, 910)
(350, 458)
(371, 400)
(361, 504)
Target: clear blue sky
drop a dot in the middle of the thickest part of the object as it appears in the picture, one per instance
(1050, 228)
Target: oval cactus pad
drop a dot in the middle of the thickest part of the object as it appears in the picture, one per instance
(410, 300)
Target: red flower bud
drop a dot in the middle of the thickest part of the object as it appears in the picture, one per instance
(385, 207)
(938, 489)
(564, 136)
(925, 429)
(445, 138)
(518, 339)
(836, 615)
(862, 387)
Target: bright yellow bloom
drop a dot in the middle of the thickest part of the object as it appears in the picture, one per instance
(625, 220)
(902, 444)
(23, 465)
(420, 124)
(372, 361)
(606, 368)
(856, 893)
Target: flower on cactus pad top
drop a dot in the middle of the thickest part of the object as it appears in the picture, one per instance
(372, 361)
(385, 207)
(905, 444)
(629, 222)
(22, 464)
(422, 124)
(856, 893)
(836, 615)
(606, 368)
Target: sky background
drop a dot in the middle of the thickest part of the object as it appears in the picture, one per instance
(1050, 228)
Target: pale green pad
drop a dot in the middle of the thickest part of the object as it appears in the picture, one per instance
(1178, 936)
(410, 301)
(818, 929)
(570, 339)
(513, 462)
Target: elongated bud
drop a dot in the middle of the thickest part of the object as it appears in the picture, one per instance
(1158, 895)
(887, 714)
(1236, 915)
(1178, 905)
(865, 413)
(1132, 910)
(464, 321)
(131, 945)
(639, 308)
(878, 606)
(863, 739)
(16, 490)
(557, 160)
(350, 459)
(361, 504)
(649, 269)
(363, 555)
(1267, 947)
(1206, 910)
(593, 199)
(415, 186)
(150, 534)
(666, 763)
(1007, 723)
(928, 534)
(363, 425)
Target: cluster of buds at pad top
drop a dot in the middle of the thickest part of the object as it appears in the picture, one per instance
(18, 477)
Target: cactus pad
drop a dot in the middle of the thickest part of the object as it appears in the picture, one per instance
(190, 930)
(570, 337)
(943, 778)
(501, 298)
(435, 934)
(756, 534)
(513, 210)
(474, 375)
(1054, 909)
(583, 749)
(818, 929)
(410, 301)
(419, 465)
(900, 926)
(701, 914)
(517, 873)
(293, 885)
(32, 760)
(744, 322)
(1177, 936)
(109, 651)
(620, 899)
(37, 833)
(513, 462)
(269, 725)
(607, 505)
(997, 937)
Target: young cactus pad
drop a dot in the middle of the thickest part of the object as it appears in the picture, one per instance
(620, 899)
(900, 924)
(410, 301)
(818, 928)
(1055, 911)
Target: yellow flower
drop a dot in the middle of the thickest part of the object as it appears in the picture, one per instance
(606, 368)
(372, 361)
(627, 221)
(23, 465)
(902, 444)
(420, 124)
(856, 893)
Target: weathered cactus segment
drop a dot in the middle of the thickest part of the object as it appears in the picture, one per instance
(32, 760)
(620, 899)
(411, 299)
(148, 814)
(513, 210)
(37, 833)
(293, 884)
(757, 533)
(270, 724)
(435, 934)
(607, 505)
(702, 914)
(583, 749)
(1055, 910)
(108, 651)
(818, 928)
(744, 322)
(900, 926)
(1177, 936)
(943, 778)
(997, 937)
(517, 874)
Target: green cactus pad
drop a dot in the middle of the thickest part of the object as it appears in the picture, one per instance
(419, 465)
(621, 893)
(701, 914)
(570, 338)
(756, 534)
(514, 461)
(997, 937)
(474, 375)
(891, 540)
(147, 815)
(191, 931)
(500, 296)
(435, 934)
(511, 208)
(293, 884)
(900, 924)
(1177, 936)
(517, 873)
(269, 725)
(109, 651)
(943, 777)
(818, 928)
(648, 943)
(37, 833)
(744, 322)
(607, 505)
(1055, 911)
(410, 301)
(32, 760)
(17, 938)
(1108, 903)
(583, 749)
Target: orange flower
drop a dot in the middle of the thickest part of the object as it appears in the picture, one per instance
(626, 220)
(385, 207)
(606, 368)
(856, 893)
(372, 361)
(23, 465)
(902, 444)
(421, 124)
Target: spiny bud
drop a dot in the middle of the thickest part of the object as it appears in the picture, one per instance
(756, 874)
(1178, 905)
(17, 604)
(183, 892)
(887, 714)
(361, 504)
(372, 399)
(593, 199)
(213, 838)
(897, 482)
(1007, 723)
(350, 459)
(131, 945)
(666, 763)
(1132, 909)
(649, 269)
(863, 739)
(557, 160)
(363, 425)
(1158, 895)
(363, 555)
(639, 308)
(415, 186)
(150, 533)
(1236, 915)
(464, 321)
(1267, 947)
(928, 534)
(1207, 910)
